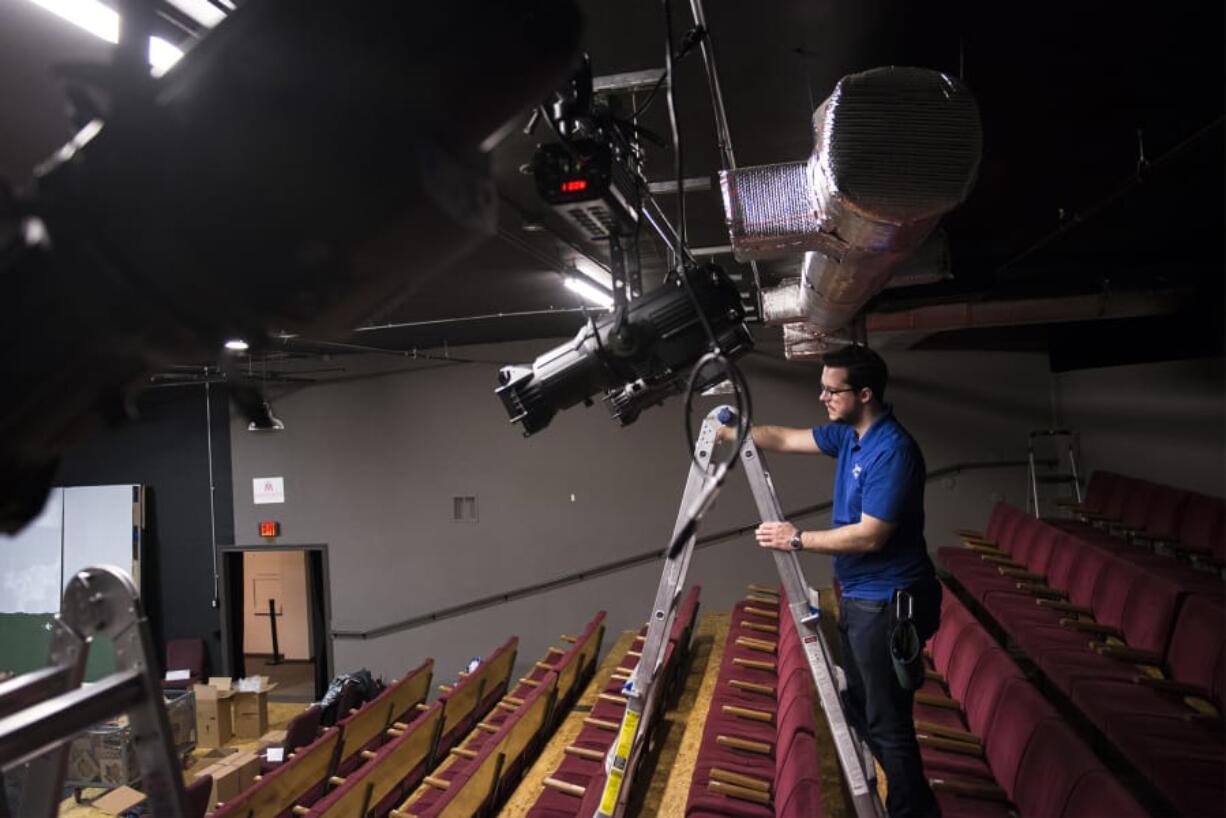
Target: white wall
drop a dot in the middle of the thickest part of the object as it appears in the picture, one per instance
(1165, 422)
(282, 575)
(371, 467)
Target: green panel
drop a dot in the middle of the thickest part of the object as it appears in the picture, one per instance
(25, 643)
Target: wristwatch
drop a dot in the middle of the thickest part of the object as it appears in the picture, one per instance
(796, 542)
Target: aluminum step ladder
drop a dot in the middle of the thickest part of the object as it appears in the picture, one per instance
(42, 711)
(645, 688)
(1059, 469)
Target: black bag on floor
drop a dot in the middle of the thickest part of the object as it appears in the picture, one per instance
(347, 691)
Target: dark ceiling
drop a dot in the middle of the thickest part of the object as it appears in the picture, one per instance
(1102, 169)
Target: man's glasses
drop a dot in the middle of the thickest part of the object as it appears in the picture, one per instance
(826, 390)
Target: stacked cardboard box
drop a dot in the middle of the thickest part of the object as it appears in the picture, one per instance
(251, 707)
(232, 774)
(214, 712)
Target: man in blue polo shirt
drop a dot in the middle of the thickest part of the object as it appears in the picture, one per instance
(877, 541)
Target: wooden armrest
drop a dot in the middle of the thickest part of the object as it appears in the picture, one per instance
(933, 700)
(756, 644)
(758, 589)
(1172, 686)
(757, 664)
(487, 727)
(747, 713)
(749, 609)
(297, 810)
(985, 549)
(609, 697)
(969, 533)
(367, 754)
(985, 790)
(421, 707)
(1041, 590)
(743, 793)
(506, 707)
(752, 687)
(545, 666)
(941, 731)
(1065, 607)
(740, 780)
(602, 724)
(565, 786)
(437, 783)
(1022, 574)
(759, 626)
(445, 688)
(515, 700)
(934, 676)
(583, 752)
(949, 745)
(336, 780)
(1067, 502)
(463, 674)
(1127, 654)
(462, 752)
(765, 600)
(555, 651)
(760, 747)
(1096, 516)
(1091, 627)
(1007, 562)
(393, 732)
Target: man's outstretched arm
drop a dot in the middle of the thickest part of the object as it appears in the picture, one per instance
(870, 534)
(777, 439)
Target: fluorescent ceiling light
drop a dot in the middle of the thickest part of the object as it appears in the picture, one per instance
(237, 345)
(202, 11)
(589, 291)
(103, 22)
(594, 271)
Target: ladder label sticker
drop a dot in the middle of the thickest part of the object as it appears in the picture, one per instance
(625, 740)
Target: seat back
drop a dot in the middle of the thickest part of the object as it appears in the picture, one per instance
(1149, 615)
(1019, 710)
(987, 682)
(1165, 512)
(1066, 551)
(410, 691)
(970, 648)
(1140, 495)
(1113, 589)
(401, 763)
(1117, 498)
(1198, 643)
(1098, 794)
(186, 654)
(289, 784)
(362, 731)
(198, 796)
(1051, 767)
(1089, 568)
(1204, 524)
(302, 728)
(1099, 489)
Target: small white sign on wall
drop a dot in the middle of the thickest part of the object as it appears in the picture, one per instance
(268, 490)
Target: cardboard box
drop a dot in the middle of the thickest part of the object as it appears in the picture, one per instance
(119, 801)
(251, 710)
(231, 775)
(214, 712)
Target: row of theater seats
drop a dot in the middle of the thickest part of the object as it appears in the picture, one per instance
(574, 788)
(1138, 649)
(1165, 519)
(758, 756)
(479, 773)
(993, 746)
(378, 754)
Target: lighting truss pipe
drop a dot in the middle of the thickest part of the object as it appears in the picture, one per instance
(723, 134)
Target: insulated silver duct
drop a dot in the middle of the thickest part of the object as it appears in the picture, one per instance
(895, 149)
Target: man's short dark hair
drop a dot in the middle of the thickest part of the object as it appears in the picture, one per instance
(865, 368)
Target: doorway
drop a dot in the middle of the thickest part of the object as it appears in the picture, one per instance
(275, 617)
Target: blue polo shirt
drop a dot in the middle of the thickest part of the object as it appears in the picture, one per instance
(882, 475)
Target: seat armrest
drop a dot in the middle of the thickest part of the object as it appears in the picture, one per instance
(1022, 574)
(1172, 686)
(949, 745)
(942, 731)
(971, 534)
(1041, 590)
(1127, 654)
(1065, 607)
(985, 790)
(1002, 559)
(1091, 627)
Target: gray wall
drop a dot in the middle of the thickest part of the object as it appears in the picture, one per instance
(1163, 421)
(371, 467)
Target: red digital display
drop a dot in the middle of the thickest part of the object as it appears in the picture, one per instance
(574, 185)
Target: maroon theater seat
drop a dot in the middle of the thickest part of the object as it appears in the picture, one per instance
(185, 654)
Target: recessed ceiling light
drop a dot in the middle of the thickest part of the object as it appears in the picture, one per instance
(237, 345)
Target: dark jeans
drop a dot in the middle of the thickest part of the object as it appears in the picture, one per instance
(877, 705)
